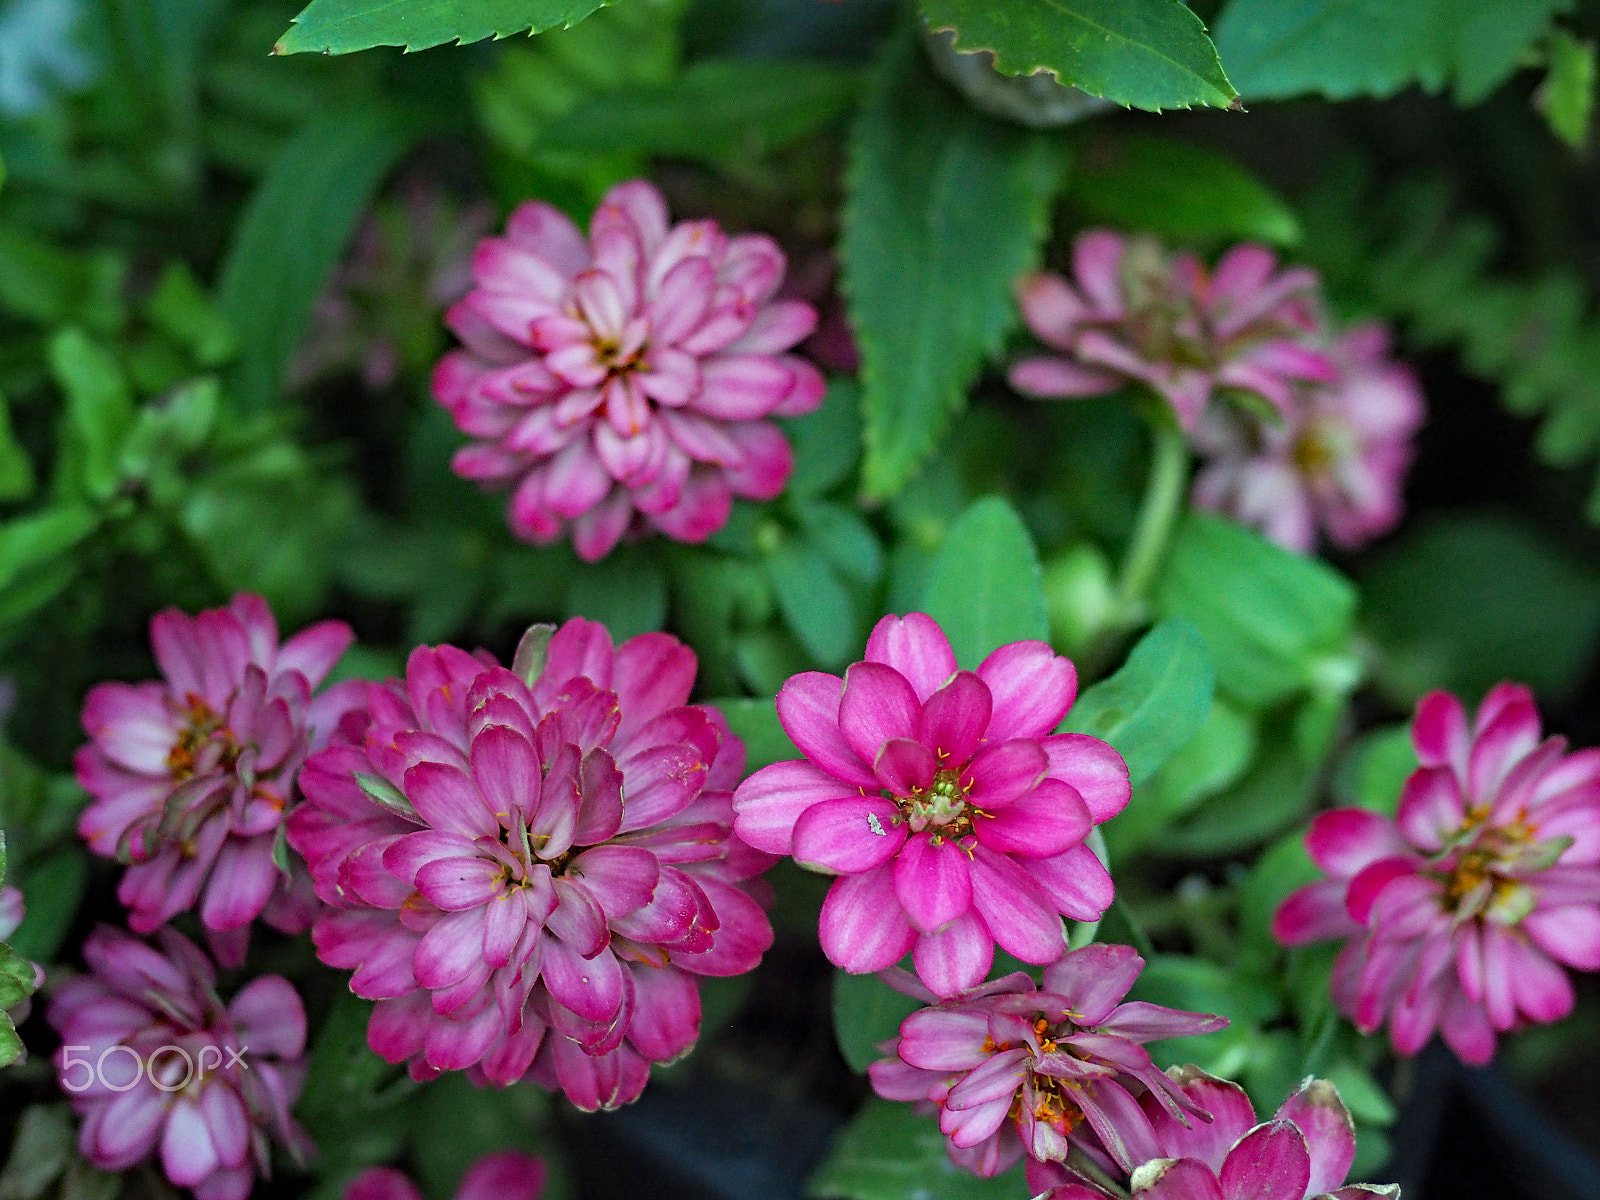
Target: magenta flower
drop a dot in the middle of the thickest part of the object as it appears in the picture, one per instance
(1462, 910)
(624, 382)
(506, 1175)
(191, 774)
(1335, 461)
(1015, 1069)
(1303, 1153)
(154, 1063)
(543, 870)
(953, 817)
(1139, 314)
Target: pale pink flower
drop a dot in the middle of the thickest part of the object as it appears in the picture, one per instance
(953, 816)
(523, 870)
(1133, 312)
(155, 1064)
(624, 382)
(505, 1175)
(1461, 912)
(191, 774)
(1016, 1070)
(1335, 461)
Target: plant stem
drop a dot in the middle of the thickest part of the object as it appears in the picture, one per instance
(1159, 511)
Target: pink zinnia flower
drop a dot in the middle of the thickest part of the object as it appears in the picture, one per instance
(1303, 1153)
(953, 817)
(540, 870)
(1335, 461)
(152, 1060)
(1018, 1070)
(505, 1175)
(1140, 314)
(624, 381)
(190, 775)
(1461, 911)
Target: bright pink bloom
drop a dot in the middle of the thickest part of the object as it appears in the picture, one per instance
(1140, 314)
(506, 1175)
(624, 382)
(191, 774)
(1015, 1069)
(1336, 460)
(954, 817)
(152, 1059)
(1461, 911)
(1304, 1152)
(556, 857)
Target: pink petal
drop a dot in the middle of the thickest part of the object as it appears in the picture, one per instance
(932, 881)
(381, 1183)
(1097, 267)
(590, 987)
(1076, 882)
(848, 836)
(771, 801)
(267, 1014)
(1232, 1116)
(242, 878)
(915, 646)
(458, 883)
(1045, 822)
(1330, 1136)
(449, 950)
(1270, 1162)
(1058, 378)
(1015, 908)
(187, 1152)
(1032, 688)
(944, 1040)
(1177, 1179)
(877, 704)
(1541, 989)
(809, 710)
(1093, 980)
(863, 928)
(741, 387)
(1569, 934)
(1002, 772)
(1313, 913)
(1431, 811)
(446, 798)
(1094, 770)
(905, 767)
(1051, 308)
(1346, 841)
(954, 718)
(1439, 733)
(957, 957)
(505, 1175)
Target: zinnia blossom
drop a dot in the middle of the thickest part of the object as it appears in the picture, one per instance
(155, 1064)
(953, 816)
(1461, 911)
(505, 1175)
(1134, 313)
(191, 774)
(535, 863)
(1017, 1070)
(1335, 461)
(624, 382)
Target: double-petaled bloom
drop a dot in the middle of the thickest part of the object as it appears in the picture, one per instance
(1017, 1070)
(625, 381)
(530, 869)
(1134, 313)
(191, 774)
(1462, 912)
(1303, 1153)
(504, 1175)
(155, 1063)
(953, 816)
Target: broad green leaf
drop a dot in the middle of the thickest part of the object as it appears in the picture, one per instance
(28, 541)
(866, 1011)
(1344, 48)
(1150, 54)
(889, 1152)
(1373, 771)
(756, 722)
(350, 1098)
(10, 1043)
(626, 592)
(827, 443)
(816, 605)
(99, 407)
(342, 26)
(985, 588)
(52, 887)
(44, 284)
(180, 308)
(843, 538)
(1153, 706)
(945, 208)
(1566, 97)
(457, 1123)
(1281, 869)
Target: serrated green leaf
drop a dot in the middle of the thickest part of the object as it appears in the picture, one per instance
(889, 1152)
(1149, 54)
(866, 1011)
(945, 208)
(986, 588)
(10, 1043)
(343, 26)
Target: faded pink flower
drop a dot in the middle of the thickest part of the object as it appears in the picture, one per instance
(1018, 1070)
(505, 1175)
(1336, 461)
(1133, 312)
(155, 1064)
(1462, 910)
(541, 868)
(953, 816)
(1303, 1153)
(190, 774)
(623, 382)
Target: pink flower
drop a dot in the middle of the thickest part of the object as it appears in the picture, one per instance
(1140, 314)
(191, 774)
(624, 382)
(1336, 460)
(953, 817)
(506, 1175)
(1015, 1069)
(540, 870)
(1461, 911)
(1305, 1151)
(153, 1062)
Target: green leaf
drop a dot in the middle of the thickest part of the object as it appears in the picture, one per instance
(945, 208)
(814, 601)
(626, 592)
(756, 722)
(1150, 54)
(29, 541)
(41, 1151)
(827, 443)
(457, 1123)
(866, 1011)
(1345, 48)
(1566, 97)
(343, 26)
(99, 407)
(357, 1117)
(985, 588)
(1196, 985)
(1178, 190)
(843, 538)
(16, 468)
(10, 1043)
(52, 887)
(889, 1152)
(180, 308)
(1281, 869)
(1153, 706)
(1374, 769)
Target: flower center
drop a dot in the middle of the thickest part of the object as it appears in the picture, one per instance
(1485, 877)
(941, 806)
(204, 743)
(1312, 454)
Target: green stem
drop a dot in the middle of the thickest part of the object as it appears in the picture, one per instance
(1141, 939)
(1158, 514)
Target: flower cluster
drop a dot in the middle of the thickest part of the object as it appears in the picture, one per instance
(528, 869)
(1460, 912)
(953, 816)
(505, 1175)
(191, 774)
(624, 381)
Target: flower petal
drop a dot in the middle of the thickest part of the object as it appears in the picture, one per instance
(847, 836)
(915, 646)
(863, 928)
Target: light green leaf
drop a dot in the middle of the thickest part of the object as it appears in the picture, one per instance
(41, 536)
(16, 468)
(41, 1151)
(99, 407)
(180, 308)
(889, 1152)
(1566, 97)
(756, 722)
(866, 1011)
(1374, 769)
(986, 589)
(945, 208)
(52, 887)
(342, 26)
